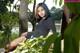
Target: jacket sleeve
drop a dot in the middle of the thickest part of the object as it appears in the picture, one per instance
(51, 25)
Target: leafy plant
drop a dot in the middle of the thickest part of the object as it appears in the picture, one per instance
(72, 32)
(33, 45)
(74, 7)
(40, 45)
(7, 21)
(56, 13)
(51, 39)
(56, 2)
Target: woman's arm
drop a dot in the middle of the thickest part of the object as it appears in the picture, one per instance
(51, 25)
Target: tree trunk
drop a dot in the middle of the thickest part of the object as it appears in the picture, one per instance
(34, 23)
(23, 21)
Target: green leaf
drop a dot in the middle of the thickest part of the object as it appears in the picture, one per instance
(33, 45)
(71, 36)
(56, 2)
(48, 42)
(57, 45)
(74, 7)
(11, 1)
(60, 2)
(31, 1)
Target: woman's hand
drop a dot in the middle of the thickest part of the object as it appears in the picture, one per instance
(24, 34)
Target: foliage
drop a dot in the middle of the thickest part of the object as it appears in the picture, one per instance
(11, 1)
(72, 32)
(3, 8)
(13, 36)
(3, 4)
(56, 13)
(40, 45)
(74, 7)
(71, 36)
(2, 40)
(7, 21)
(56, 2)
(54, 38)
(31, 1)
(57, 45)
(33, 45)
(60, 2)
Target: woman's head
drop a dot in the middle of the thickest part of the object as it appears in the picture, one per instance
(42, 11)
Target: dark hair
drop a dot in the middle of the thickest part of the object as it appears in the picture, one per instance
(45, 8)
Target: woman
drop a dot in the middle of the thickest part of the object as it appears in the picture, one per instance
(45, 24)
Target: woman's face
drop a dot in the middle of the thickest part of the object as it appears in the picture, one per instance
(41, 11)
